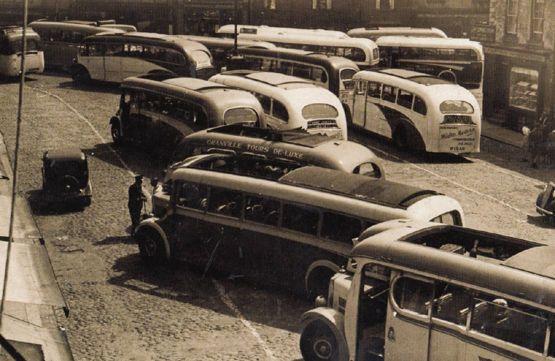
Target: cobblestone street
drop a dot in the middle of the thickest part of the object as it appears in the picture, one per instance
(122, 310)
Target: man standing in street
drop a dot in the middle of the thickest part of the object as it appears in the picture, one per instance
(136, 199)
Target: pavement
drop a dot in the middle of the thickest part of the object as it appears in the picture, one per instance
(501, 134)
(34, 302)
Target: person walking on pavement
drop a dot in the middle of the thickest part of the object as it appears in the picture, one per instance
(136, 199)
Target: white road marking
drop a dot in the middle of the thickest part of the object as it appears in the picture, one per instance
(221, 291)
(237, 313)
(468, 189)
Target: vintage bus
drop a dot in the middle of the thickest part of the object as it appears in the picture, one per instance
(363, 52)
(428, 292)
(62, 39)
(376, 32)
(290, 102)
(334, 73)
(222, 49)
(11, 51)
(157, 115)
(417, 111)
(458, 60)
(285, 149)
(295, 230)
(114, 57)
(229, 31)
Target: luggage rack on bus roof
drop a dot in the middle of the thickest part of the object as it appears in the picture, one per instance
(292, 136)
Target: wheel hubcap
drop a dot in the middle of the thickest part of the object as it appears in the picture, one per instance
(323, 349)
(150, 247)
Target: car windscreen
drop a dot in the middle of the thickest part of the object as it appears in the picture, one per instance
(319, 111)
(237, 115)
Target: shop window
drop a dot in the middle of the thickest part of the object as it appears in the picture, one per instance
(524, 89)
(538, 13)
(321, 4)
(511, 20)
(270, 4)
(384, 4)
(300, 219)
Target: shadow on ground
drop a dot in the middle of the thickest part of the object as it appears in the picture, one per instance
(40, 206)
(185, 283)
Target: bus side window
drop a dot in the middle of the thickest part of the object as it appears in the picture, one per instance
(452, 303)
(413, 295)
(300, 219)
(265, 101)
(262, 210)
(280, 111)
(226, 202)
(77, 37)
(361, 86)
(374, 89)
(419, 105)
(302, 71)
(96, 49)
(191, 195)
(114, 49)
(509, 321)
(340, 228)
(389, 93)
(404, 99)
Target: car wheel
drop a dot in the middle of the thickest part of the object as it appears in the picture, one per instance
(116, 134)
(86, 201)
(318, 343)
(151, 247)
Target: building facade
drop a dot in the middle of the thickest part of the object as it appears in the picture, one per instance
(519, 48)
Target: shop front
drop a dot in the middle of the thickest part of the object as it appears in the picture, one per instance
(517, 86)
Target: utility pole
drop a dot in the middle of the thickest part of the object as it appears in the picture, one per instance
(235, 27)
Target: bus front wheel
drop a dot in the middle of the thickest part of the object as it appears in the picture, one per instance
(151, 247)
(318, 343)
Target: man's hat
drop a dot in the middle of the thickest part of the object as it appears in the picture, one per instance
(138, 177)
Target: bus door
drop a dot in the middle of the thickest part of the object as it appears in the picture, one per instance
(358, 112)
(112, 62)
(451, 309)
(407, 328)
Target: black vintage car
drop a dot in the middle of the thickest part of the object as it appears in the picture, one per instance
(545, 204)
(65, 176)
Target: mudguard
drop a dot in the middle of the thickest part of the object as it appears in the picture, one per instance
(152, 224)
(334, 320)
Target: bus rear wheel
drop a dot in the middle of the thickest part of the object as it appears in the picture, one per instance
(318, 343)
(80, 75)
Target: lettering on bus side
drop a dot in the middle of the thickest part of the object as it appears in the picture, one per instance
(223, 143)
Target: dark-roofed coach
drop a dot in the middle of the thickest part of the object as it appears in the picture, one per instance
(295, 230)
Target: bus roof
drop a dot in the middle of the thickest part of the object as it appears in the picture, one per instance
(301, 56)
(154, 37)
(427, 42)
(207, 92)
(209, 41)
(397, 30)
(296, 145)
(265, 29)
(356, 186)
(499, 278)
(16, 32)
(75, 26)
(311, 39)
(414, 76)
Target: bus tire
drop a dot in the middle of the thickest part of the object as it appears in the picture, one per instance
(80, 74)
(317, 283)
(348, 116)
(115, 131)
(318, 343)
(151, 247)
(400, 138)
